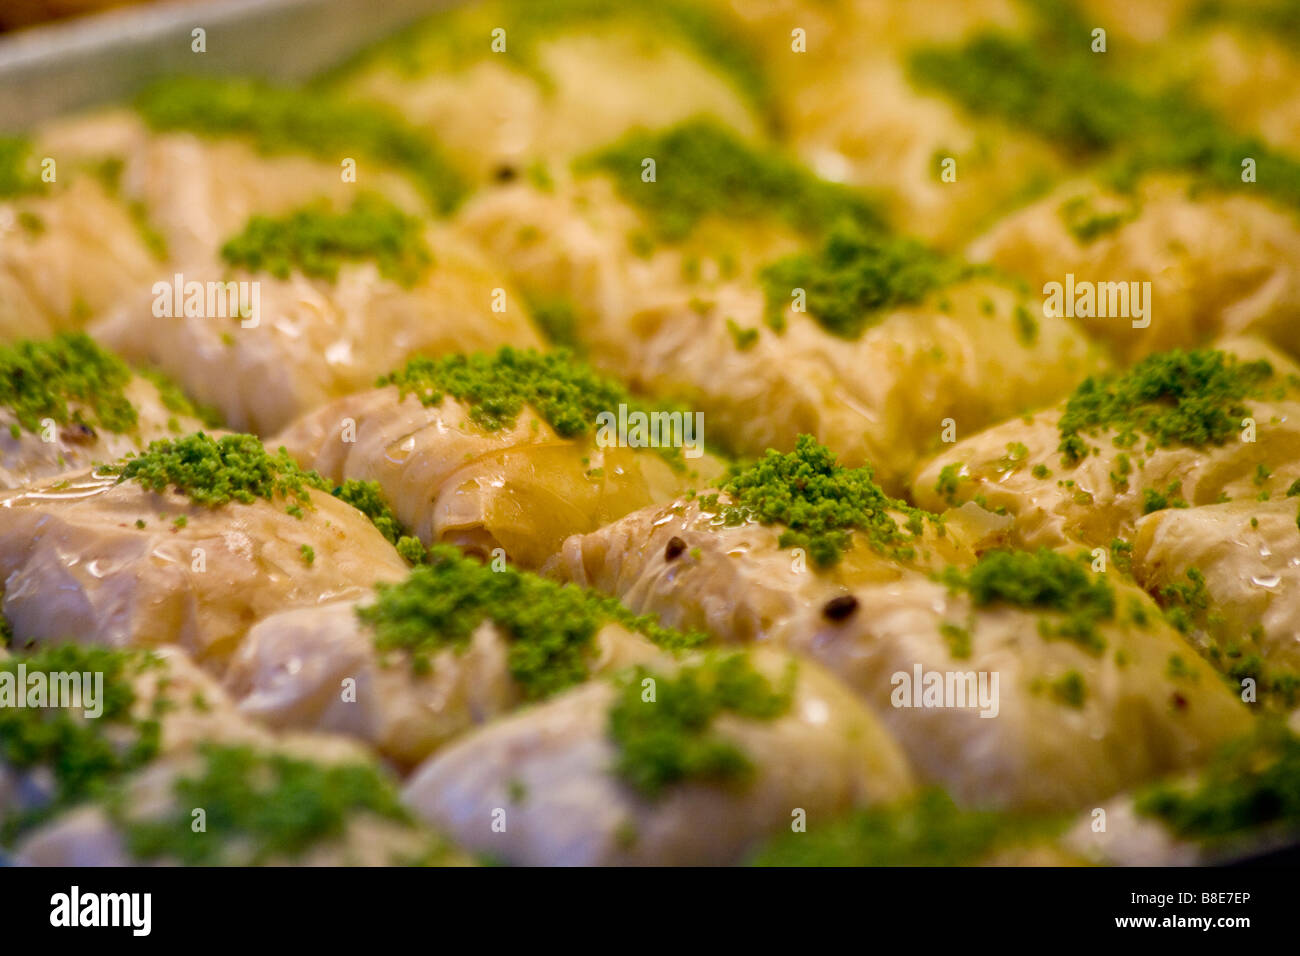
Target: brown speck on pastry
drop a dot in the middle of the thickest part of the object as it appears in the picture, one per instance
(840, 608)
(77, 433)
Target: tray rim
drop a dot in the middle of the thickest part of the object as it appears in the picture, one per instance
(101, 58)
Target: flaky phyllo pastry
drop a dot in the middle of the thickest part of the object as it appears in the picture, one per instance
(581, 433)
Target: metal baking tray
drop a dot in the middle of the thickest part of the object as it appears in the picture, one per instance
(67, 65)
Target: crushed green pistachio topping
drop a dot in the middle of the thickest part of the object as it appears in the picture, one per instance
(664, 738)
(1275, 18)
(1026, 326)
(856, 276)
(1044, 581)
(948, 482)
(567, 394)
(1172, 398)
(1121, 552)
(454, 39)
(175, 400)
(551, 627)
(1058, 90)
(283, 120)
(822, 504)
(703, 169)
(42, 379)
(17, 177)
(1250, 783)
(1064, 99)
(317, 241)
(368, 498)
(957, 638)
(216, 471)
(929, 830)
(108, 171)
(744, 339)
(1185, 601)
(1278, 686)
(1070, 689)
(1088, 224)
(558, 321)
(1189, 608)
(412, 549)
(83, 753)
(1155, 500)
(264, 807)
